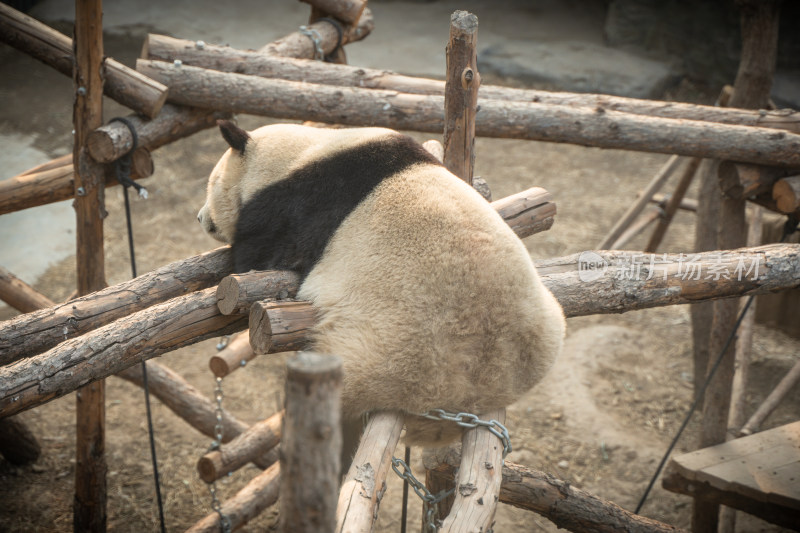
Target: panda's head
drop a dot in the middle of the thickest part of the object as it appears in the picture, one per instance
(253, 161)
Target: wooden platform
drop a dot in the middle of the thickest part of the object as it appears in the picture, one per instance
(759, 475)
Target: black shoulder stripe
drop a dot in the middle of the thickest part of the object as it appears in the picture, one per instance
(288, 224)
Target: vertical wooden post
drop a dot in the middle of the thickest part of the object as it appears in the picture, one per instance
(311, 444)
(751, 90)
(461, 95)
(89, 506)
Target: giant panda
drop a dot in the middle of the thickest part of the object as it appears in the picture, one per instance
(423, 290)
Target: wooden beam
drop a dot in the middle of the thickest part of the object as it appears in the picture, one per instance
(687, 204)
(584, 284)
(248, 503)
(237, 292)
(56, 184)
(673, 204)
(365, 483)
(227, 59)
(251, 444)
(238, 93)
(461, 95)
(312, 443)
(562, 503)
(235, 355)
(299, 45)
(19, 294)
(280, 326)
(772, 401)
(38, 331)
(123, 84)
(637, 227)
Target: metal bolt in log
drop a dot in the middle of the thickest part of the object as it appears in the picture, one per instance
(311, 443)
(280, 326)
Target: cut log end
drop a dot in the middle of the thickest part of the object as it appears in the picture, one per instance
(786, 193)
(464, 21)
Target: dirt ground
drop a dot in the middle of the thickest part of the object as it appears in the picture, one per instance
(601, 419)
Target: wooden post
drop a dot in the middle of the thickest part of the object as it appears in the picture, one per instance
(90, 469)
(312, 443)
(364, 485)
(751, 90)
(673, 204)
(478, 480)
(633, 211)
(461, 95)
(257, 440)
(280, 326)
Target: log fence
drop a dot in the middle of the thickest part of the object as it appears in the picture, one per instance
(50, 352)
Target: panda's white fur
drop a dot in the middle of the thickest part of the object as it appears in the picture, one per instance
(424, 291)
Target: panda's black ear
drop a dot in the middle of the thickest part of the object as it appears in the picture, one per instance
(235, 136)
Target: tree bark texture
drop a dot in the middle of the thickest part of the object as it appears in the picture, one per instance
(123, 84)
(237, 93)
(478, 480)
(41, 330)
(365, 483)
(248, 503)
(110, 142)
(461, 95)
(253, 443)
(299, 45)
(237, 292)
(226, 59)
(280, 326)
(567, 507)
(57, 184)
(312, 443)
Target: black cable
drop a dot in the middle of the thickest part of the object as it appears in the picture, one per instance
(123, 168)
(404, 515)
(789, 228)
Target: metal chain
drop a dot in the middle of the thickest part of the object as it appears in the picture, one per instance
(311, 33)
(468, 420)
(422, 491)
(224, 521)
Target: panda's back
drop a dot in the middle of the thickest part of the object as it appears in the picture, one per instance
(425, 285)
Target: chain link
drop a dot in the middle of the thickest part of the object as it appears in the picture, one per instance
(224, 521)
(311, 33)
(422, 491)
(468, 420)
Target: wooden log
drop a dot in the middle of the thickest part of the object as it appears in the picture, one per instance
(123, 84)
(345, 10)
(280, 326)
(527, 212)
(57, 184)
(687, 204)
(312, 443)
(36, 332)
(673, 204)
(19, 294)
(741, 180)
(110, 142)
(364, 485)
(533, 121)
(299, 45)
(760, 22)
(18, 444)
(255, 442)
(559, 501)
(461, 95)
(786, 193)
(637, 227)
(112, 348)
(641, 202)
(772, 401)
(235, 355)
(478, 479)
(248, 503)
(226, 59)
(65, 159)
(237, 292)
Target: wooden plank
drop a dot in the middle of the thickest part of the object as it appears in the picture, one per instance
(757, 474)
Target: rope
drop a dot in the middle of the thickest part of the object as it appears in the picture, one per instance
(789, 228)
(122, 167)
